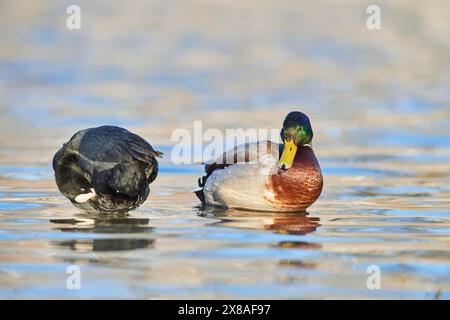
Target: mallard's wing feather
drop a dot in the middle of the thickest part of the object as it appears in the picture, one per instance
(238, 160)
(242, 185)
(243, 153)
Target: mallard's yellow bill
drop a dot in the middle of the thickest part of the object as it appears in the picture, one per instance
(287, 158)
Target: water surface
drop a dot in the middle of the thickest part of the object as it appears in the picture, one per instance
(378, 102)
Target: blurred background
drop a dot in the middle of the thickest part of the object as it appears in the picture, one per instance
(378, 101)
(158, 65)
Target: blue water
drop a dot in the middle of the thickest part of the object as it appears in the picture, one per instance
(377, 100)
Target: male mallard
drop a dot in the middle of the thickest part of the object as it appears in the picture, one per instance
(106, 169)
(254, 176)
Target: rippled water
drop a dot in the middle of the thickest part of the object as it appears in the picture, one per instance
(379, 106)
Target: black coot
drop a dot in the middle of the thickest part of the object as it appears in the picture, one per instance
(106, 169)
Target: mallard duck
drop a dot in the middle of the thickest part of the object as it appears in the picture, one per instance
(106, 169)
(254, 176)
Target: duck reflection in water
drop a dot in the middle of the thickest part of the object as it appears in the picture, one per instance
(298, 223)
(295, 224)
(292, 224)
(100, 224)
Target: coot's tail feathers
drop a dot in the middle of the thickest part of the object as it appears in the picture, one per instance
(141, 149)
(159, 154)
(152, 170)
(144, 152)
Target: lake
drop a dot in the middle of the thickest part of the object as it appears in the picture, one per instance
(379, 105)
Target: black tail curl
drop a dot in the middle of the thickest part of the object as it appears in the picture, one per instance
(199, 191)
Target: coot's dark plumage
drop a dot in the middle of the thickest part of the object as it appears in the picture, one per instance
(106, 169)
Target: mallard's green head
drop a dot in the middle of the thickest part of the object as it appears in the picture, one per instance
(296, 132)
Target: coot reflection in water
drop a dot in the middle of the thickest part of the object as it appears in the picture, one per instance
(98, 224)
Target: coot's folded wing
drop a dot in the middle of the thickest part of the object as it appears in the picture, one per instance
(103, 148)
(141, 149)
